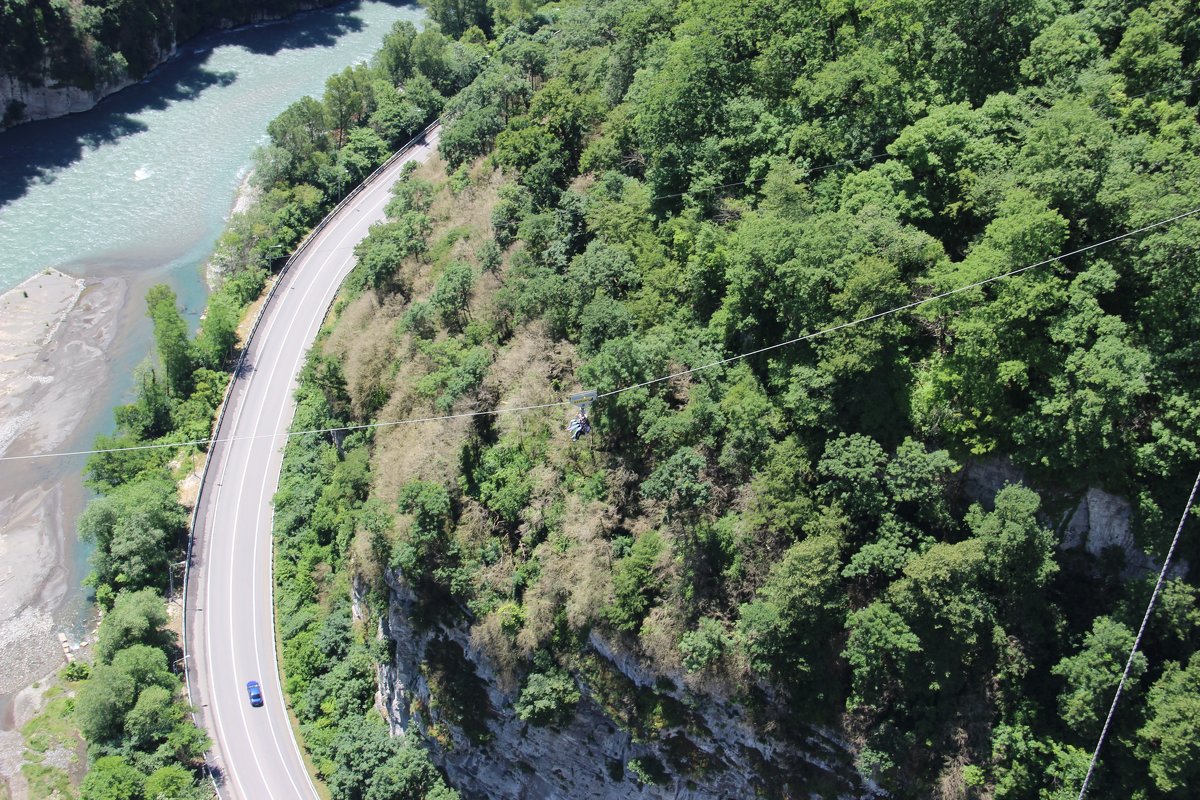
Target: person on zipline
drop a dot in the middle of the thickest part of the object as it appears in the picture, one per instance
(580, 425)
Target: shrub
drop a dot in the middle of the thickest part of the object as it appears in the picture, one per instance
(636, 583)
(703, 646)
(548, 698)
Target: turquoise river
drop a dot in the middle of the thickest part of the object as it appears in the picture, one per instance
(138, 189)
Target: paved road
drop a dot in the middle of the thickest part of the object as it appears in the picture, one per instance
(230, 617)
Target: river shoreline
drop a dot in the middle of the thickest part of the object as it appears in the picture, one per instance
(56, 333)
(70, 339)
(54, 102)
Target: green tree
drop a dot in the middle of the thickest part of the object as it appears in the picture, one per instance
(1090, 676)
(112, 690)
(1170, 739)
(429, 57)
(395, 118)
(425, 546)
(136, 618)
(751, 422)
(1146, 56)
(512, 12)
(103, 702)
(1099, 395)
(173, 782)
(218, 332)
(548, 698)
(112, 778)
(1018, 548)
(884, 656)
(171, 339)
(786, 629)
(149, 415)
(680, 99)
(408, 774)
(1029, 766)
(152, 718)
(1061, 51)
(456, 16)
(677, 483)
(918, 480)
(420, 91)
(395, 54)
(363, 152)
(133, 529)
(359, 751)
(469, 133)
(702, 647)
(139, 553)
(513, 204)
(941, 598)
(300, 144)
(381, 254)
(348, 100)
(452, 294)
(1065, 157)
(853, 468)
(503, 480)
(635, 582)
(999, 356)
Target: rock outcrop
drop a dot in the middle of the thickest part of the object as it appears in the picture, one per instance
(47, 102)
(679, 744)
(41, 97)
(1097, 522)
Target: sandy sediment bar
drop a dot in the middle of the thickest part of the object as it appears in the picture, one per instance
(55, 334)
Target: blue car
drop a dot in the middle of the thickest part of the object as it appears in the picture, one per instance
(255, 692)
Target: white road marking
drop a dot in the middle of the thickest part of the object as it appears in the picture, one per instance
(254, 399)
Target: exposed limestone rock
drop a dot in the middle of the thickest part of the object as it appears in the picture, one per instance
(983, 479)
(1103, 520)
(1099, 521)
(46, 102)
(700, 746)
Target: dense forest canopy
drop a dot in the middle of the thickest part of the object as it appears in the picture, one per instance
(634, 188)
(689, 181)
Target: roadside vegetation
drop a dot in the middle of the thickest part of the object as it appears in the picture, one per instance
(318, 151)
(631, 189)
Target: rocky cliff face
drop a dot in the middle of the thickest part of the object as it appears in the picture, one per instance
(22, 101)
(678, 744)
(1095, 522)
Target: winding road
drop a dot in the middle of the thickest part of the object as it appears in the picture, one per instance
(229, 626)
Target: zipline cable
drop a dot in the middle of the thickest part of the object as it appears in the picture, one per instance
(681, 373)
(1162, 576)
(289, 434)
(905, 307)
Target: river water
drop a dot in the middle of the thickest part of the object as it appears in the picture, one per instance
(145, 180)
(139, 188)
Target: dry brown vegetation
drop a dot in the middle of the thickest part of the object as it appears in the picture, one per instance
(363, 344)
(378, 362)
(382, 367)
(567, 537)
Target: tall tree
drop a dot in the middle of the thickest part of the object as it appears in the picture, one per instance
(171, 339)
